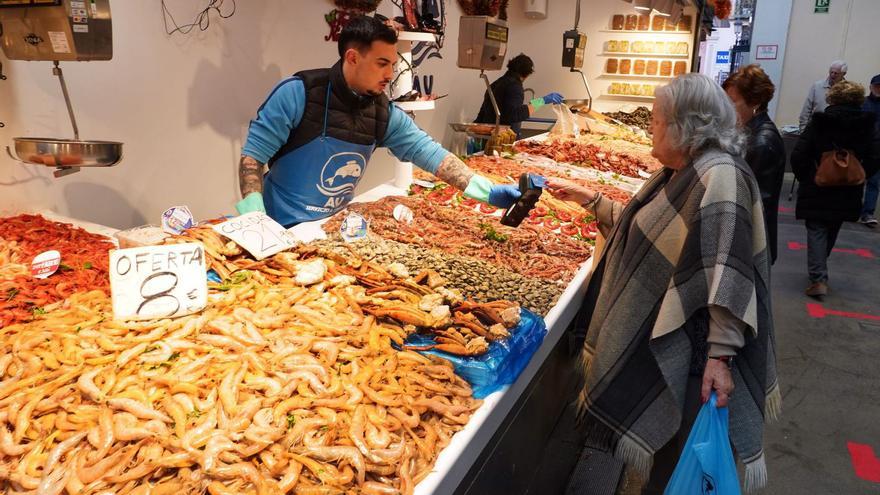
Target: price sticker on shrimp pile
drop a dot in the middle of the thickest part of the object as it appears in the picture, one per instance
(158, 281)
(257, 233)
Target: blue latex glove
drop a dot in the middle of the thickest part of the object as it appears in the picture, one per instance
(251, 202)
(503, 195)
(554, 98)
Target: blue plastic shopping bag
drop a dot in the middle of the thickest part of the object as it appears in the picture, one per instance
(706, 465)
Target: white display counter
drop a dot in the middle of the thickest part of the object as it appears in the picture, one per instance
(459, 456)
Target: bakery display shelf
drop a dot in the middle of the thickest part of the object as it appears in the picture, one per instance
(642, 55)
(623, 31)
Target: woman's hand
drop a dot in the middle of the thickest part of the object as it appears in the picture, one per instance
(717, 377)
(569, 191)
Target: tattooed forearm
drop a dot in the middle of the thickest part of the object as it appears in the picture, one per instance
(250, 176)
(454, 172)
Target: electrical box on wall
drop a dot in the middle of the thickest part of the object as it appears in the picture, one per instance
(573, 44)
(482, 42)
(536, 9)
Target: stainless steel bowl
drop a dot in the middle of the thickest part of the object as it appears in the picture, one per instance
(66, 152)
(472, 128)
(576, 105)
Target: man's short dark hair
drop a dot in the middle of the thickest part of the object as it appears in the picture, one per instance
(521, 65)
(362, 31)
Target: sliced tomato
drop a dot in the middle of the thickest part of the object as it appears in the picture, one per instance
(487, 209)
(416, 189)
(551, 223)
(569, 229)
(469, 202)
(540, 211)
(563, 216)
(536, 220)
(449, 192)
(436, 196)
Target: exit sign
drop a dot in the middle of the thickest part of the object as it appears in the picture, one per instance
(822, 6)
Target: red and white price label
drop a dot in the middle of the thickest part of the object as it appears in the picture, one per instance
(45, 264)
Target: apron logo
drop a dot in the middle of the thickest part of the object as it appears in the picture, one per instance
(339, 177)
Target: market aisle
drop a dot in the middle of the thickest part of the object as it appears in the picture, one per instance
(828, 366)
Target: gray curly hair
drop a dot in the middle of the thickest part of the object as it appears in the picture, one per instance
(700, 116)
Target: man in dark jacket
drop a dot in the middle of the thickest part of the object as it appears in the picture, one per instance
(843, 125)
(509, 94)
(872, 186)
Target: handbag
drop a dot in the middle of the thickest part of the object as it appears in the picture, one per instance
(839, 167)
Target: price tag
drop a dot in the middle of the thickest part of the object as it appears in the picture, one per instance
(257, 233)
(45, 264)
(158, 281)
(354, 228)
(177, 219)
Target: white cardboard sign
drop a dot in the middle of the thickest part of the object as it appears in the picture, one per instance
(158, 281)
(257, 233)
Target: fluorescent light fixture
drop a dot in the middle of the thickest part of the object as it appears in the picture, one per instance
(644, 5)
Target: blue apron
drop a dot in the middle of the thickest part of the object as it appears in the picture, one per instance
(315, 180)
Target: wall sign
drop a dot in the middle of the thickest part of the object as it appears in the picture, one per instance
(822, 6)
(766, 52)
(158, 281)
(257, 233)
(722, 57)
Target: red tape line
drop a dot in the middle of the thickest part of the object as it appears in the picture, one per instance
(816, 310)
(865, 462)
(864, 253)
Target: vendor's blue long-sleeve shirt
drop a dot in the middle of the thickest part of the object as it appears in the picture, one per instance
(283, 111)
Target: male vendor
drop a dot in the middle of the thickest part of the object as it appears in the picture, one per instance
(317, 130)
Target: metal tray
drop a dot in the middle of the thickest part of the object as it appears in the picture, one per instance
(66, 152)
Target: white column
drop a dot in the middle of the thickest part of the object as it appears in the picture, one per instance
(771, 28)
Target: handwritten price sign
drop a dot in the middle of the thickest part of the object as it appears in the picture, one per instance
(257, 233)
(158, 281)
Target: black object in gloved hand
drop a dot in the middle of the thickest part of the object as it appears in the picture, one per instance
(530, 188)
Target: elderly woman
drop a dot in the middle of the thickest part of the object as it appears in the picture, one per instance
(750, 90)
(843, 125)
(678, 304)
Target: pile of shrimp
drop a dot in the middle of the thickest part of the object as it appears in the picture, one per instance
(83, 264)
(276, 387)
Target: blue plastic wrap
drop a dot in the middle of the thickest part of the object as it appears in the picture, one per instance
(502, 363)
(706, 465)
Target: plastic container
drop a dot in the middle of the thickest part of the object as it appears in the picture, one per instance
(145, 235)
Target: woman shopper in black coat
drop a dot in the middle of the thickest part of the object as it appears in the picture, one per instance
(843, 125)
(750, 90)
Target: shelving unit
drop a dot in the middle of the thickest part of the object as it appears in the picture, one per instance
(623, 31)
(634, 76)
(403, 171)
(642, 55)
(633, 97)
(666, 38)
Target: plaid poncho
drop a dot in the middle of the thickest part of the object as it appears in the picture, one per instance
(689, 239)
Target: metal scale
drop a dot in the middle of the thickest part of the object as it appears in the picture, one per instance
(482, 45)
(54, 31)
(574, 43)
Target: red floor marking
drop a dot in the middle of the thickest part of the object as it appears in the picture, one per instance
(785, 209)
(864, 253)
(865, 462)
(816, 310)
